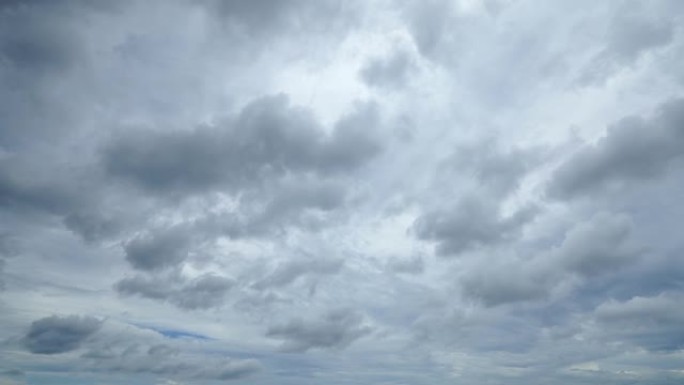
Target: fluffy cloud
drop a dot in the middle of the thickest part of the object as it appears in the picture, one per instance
(632, 150)
(472, 223)
(266, 140)
(54, 335)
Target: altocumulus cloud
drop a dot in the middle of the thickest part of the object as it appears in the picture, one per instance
(341, 192)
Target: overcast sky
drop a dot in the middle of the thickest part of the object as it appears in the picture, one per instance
(392, 192)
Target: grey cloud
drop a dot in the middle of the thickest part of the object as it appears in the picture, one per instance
(54, 335)
(601, 245)
(630, 35)
(288, 272)
(92, 225)
(203, 292)
(499, 171)
(653, 323)
(126, 349)
(390, 71)
(471, 224)
(412, 265)
(427, 21)
(39, 43)
(633, 149)
(268, 139)
(12, 373)
(273, 18)
(2, 272)
(507, 282)
(17, 190)
(305, 203)
(37, 47)
(158, 250)
(32, 187)
(487, 330)
(335, 330)
(476, 179)
(231, 370)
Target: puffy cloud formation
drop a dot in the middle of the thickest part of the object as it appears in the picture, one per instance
(54, 335)
(305, 192)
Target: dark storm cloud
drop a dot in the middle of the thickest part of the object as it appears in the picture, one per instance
(203, 292)
(54, 335)
(633, 149)
(335, 330)
(391, 71)
(472, 223)
(269, 138)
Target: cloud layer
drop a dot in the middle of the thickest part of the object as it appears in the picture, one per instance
(341, 192)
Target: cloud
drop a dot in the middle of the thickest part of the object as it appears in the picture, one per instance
(630, 36)
(634, 149)
(497, 171)
(268, 139)
(277, 18)
(231, 174)
(508, 281)
(653, 323)
(470, 224)
(305, 203)
(474, 182)
(126, 349)
(286, 273)
(428, 24)
(599, 246)
(412, 265)
(203, 292)
(54, 335)
(334, 330)
(391, 71)
(2, 273)
(157, 251)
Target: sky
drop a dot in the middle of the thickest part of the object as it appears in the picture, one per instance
(389, 192)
